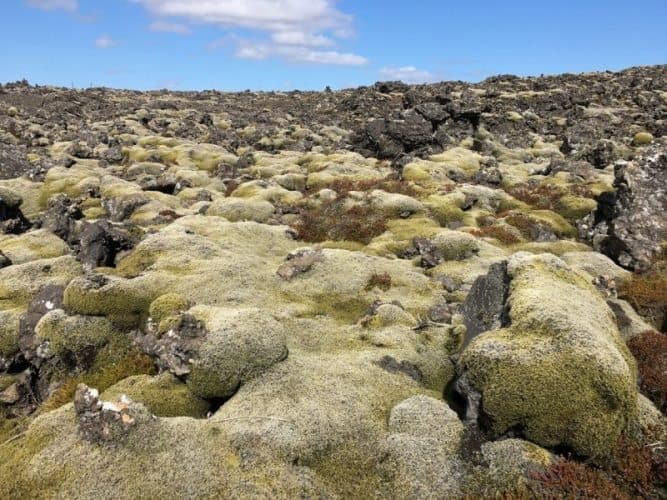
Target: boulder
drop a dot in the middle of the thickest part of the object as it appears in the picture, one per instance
(559, 374)
(627, 226)
(421, 450)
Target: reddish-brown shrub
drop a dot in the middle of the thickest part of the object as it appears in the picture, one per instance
(546, 196)
(499, 232)
(380, 280)
(650, 350)
(333, 221)
(344, 185)
(632, 471)
(569, 479)
(647, 292)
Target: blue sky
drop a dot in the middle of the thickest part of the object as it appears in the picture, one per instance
(308, 44)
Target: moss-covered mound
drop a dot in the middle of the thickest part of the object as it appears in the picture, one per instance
(560, 374)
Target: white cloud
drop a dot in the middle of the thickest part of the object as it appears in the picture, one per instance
(407, 74)
(297, 54)
(105, 42)
(70, 5)
(165, 27)
(301, 38)
(271, 15)
(292, 29)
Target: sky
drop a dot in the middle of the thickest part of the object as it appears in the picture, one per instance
(309, 44)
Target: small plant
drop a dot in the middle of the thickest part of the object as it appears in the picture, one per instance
(650, 350)
(379, 280)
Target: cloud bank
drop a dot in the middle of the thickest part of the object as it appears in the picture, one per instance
(292, 30)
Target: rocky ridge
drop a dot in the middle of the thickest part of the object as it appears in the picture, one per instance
(391, 291)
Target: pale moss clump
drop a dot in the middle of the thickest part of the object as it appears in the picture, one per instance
(29, 193)
(75, 182)
(459, 159)
(506, 468)
(10, 198)
(12, 111)
(163, 395)
(34, 245)
(239, 345)
(642, 139)
(421, 450)
(241, 209)
(561, 371)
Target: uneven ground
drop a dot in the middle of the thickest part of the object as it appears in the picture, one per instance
(439, 291)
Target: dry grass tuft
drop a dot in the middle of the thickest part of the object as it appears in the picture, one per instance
(379, 280)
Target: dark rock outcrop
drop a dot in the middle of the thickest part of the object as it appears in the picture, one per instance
(630, 226)
(485, 307)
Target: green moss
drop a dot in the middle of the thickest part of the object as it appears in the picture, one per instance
(531, 222)
(168, 305)
(446, 209)
(559, 247)
(115, 361)
(73, 335)
(34, 245)
(164, 395)
(14, 456)
(9, 330)
(561, 371)
(415, 173)
(124, 302)
(20, 283)
(575, 207)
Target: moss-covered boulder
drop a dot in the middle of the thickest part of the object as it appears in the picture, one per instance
(168, 305)
(240, 344)
(125, 302)
(34, 245)
(505, 469)
(20, 283)
(73, 338)
(241, 209)
(421, 451)
(560, 374)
